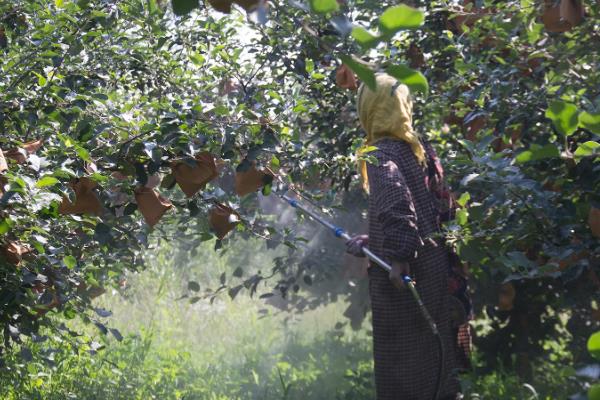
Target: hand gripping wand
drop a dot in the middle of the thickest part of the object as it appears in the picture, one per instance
(408, 281)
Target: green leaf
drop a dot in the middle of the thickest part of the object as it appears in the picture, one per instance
(593, 345)
(587, 149)
(59, 3)
(594, 392)
(324, 6)
(415, 80)
(46, 181)
(5, 226)
(168, 182)
(310, 66)
(464, 199)
(152, 6)
(462, 216)
(590, 121)
(41, 79)
(400, 17)
(66, 141)
(364, 38)
(364, 73)
(238, 272)
(39, 247)
(534, 31)
(183, 7)
(102, 233)
(83, 153)
(70, 261)
(525, 156)
(234, 291)
(266, 190)
(537, 152)
(563, 116)
(368, 149)
(193, 286)
(197, 59)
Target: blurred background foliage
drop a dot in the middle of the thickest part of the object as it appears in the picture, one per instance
(105, 104)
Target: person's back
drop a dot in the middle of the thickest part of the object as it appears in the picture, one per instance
(400, 153)
(403, 217)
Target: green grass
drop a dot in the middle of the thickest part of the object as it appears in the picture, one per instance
(194, 352)
(231, 349)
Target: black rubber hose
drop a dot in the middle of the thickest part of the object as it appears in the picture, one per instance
(438, 384)
(434, 330)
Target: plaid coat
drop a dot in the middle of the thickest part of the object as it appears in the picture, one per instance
(403, 214)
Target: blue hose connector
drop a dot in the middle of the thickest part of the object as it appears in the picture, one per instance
(293, 203)
(406, 279)
(338, 232)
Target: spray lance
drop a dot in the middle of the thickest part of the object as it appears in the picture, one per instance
(408, 281)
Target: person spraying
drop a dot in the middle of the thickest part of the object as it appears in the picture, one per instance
(406, 207)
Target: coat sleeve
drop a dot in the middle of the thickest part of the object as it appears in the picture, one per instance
(394, 208)
(445, 201)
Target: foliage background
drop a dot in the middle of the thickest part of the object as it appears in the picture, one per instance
(127, 86)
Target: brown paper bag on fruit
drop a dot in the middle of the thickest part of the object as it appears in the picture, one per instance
(415, 56)
(594, 221)
(345, 78)
(572, 11)
(473, 126)
(151, 204)
(224, 6)
(3, 164)
(506, 297)
(192, 179)
(20, 154)
(90, 292)
(223, 219)
(252, 179)
(42, 309)
(14, 252)
(86, 200)
(563, 16)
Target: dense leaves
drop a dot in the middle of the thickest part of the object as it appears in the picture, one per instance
(119, 116)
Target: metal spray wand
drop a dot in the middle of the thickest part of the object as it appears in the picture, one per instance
(341, 233)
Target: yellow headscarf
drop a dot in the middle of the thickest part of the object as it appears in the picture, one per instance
(386, 113)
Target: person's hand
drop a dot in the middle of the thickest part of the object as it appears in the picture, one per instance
(399, 269)
(355, 245)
